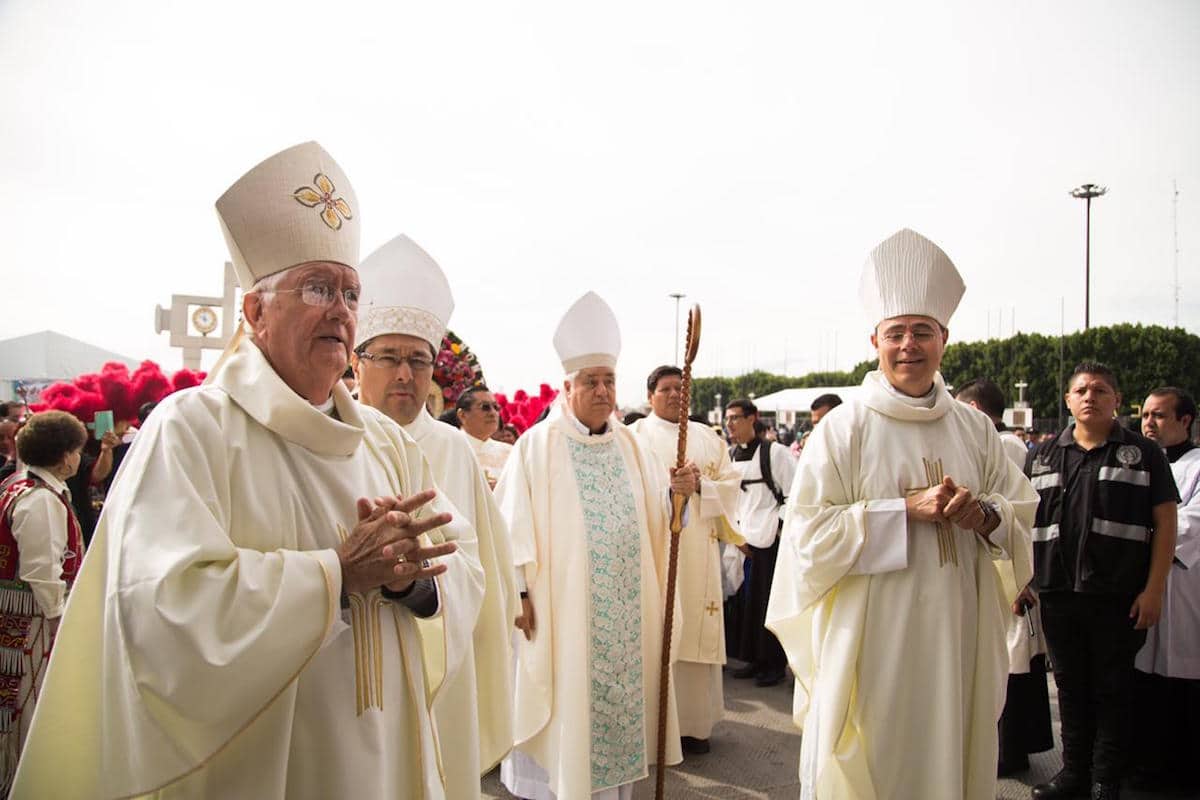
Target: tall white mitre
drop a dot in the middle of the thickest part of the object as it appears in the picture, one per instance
(295, 207)
(404, 291)
(908, 274)
(588, 335)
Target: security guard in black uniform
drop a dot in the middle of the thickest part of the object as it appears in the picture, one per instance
(1103, 541)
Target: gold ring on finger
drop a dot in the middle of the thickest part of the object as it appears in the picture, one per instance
(402, 559)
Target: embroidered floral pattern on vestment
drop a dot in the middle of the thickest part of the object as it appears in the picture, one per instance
(614, 555)
(333, 209)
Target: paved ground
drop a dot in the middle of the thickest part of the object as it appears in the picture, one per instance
(755, 753)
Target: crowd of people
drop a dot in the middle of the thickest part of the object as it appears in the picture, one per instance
(303, 584)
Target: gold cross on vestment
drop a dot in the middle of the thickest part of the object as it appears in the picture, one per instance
(712, 608)
(947, 549)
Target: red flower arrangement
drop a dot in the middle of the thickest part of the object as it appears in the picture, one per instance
(455, 369)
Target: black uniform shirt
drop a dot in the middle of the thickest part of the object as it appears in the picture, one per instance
(1080, 468)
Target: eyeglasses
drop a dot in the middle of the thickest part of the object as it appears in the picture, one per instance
(390, 362)
(488, 407)
(922, 334)
(316, 293)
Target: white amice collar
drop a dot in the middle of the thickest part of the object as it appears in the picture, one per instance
(881, 396)
(325, 408)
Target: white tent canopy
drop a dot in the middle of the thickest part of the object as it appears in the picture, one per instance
(41, 358)
(786, 404)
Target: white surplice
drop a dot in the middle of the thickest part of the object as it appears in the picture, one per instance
(1173, 645)
(899, 659)
(700, 641)
(491, 454)
(204, 651)
(567, 497)
(477, 705)
(1022, 647)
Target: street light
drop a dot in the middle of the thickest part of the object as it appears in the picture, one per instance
(677, 297)
(1086, 192)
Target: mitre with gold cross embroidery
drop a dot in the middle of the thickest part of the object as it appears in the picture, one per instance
(293, 208)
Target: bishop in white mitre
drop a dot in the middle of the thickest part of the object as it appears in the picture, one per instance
(588, 508)
(406, 306)
(245, 623)
(885, 597)
(700, 640)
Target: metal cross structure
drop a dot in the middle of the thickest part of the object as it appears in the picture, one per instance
(192, 319)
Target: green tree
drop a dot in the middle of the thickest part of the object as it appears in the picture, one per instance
(1142, 356)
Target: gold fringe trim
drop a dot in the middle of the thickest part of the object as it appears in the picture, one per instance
(947, 549)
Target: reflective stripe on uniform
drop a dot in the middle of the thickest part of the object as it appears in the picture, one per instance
(1045, 534)
(1119, 530)
(1138, 477)
(1046, 481)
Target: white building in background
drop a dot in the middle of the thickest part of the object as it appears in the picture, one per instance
(30, 363)
(789, 405)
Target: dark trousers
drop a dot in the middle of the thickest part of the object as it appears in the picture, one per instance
(1092, 646)
(1167, 719)
(759, 646)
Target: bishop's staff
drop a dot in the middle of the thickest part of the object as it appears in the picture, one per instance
(678, 502)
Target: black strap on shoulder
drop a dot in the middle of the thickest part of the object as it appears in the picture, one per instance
(764, 467)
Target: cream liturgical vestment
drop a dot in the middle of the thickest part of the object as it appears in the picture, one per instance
(1173, 645)
(894, 628)
(700, 641)
(491, 454)
(478, 705)
(204, 651)
(589, 522)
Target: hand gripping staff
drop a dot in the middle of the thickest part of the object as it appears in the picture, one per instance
(677, 504)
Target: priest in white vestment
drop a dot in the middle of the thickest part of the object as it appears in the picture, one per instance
(588, 509)
(406, 306)
(479, 417)
(245, 622)
(885, 597)
(700, 641)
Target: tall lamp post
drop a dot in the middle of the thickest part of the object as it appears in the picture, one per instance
(1086, 192)
(677, 297)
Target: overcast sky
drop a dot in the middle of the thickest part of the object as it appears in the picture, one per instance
(746, 154)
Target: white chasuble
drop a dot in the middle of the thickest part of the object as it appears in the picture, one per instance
(204, 651)
(589, 527)
(895, 628)
(701, 638)
(477, 707)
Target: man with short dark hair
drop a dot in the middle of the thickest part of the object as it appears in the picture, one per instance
(1169, 663)
(700, 640)
(478, 416)
(885, 597)
(767, 469)
(408, 304)
(1103, 541)
(823, 405)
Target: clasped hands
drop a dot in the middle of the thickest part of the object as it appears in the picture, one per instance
(685, 480)
(384, 549)
(946, 502)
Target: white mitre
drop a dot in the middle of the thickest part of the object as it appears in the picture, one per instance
(908, 274)
(404, 291)
(587, 335)
(295, 207)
